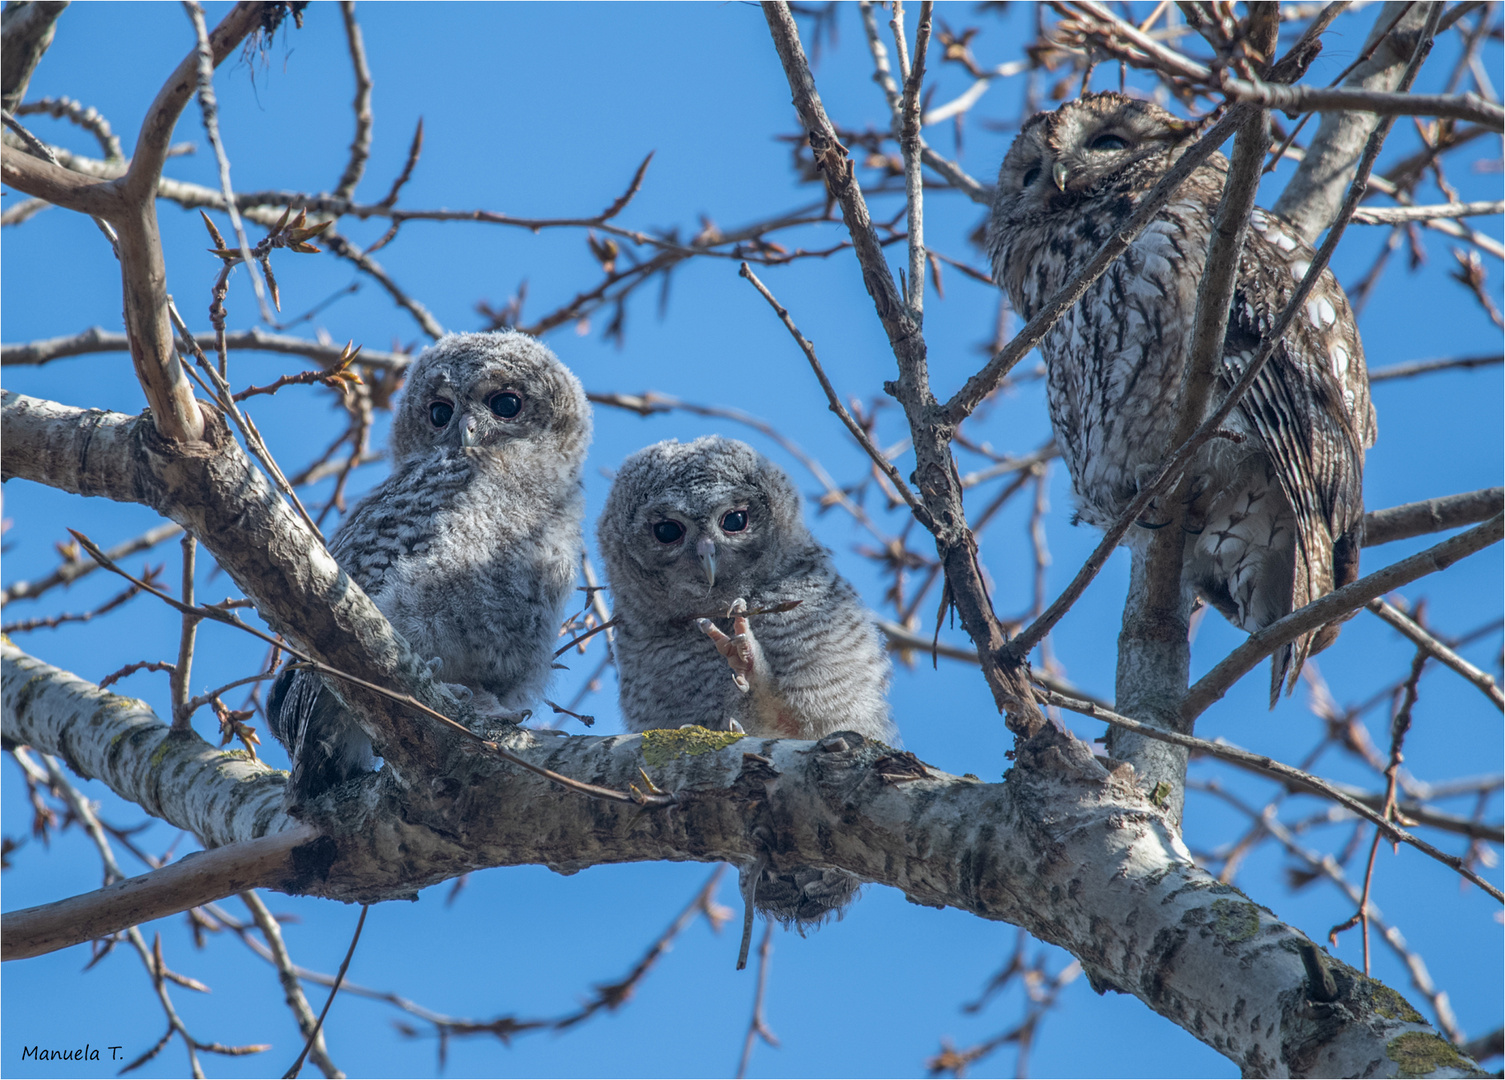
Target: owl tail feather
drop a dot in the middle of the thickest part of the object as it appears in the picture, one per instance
(1312, 583)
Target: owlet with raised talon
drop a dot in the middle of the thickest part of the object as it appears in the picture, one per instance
(731, 615)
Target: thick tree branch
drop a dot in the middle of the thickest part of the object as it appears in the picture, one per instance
(1145, 920)
(212, 490)
(1268, 766)
(201, 878)
(1154, 656)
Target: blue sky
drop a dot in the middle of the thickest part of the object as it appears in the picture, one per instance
(546, 110)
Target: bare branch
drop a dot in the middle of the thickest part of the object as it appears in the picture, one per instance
(1312, 196)
(1427, 367)
(98, 340)
(210, 110)
(292, 989)
(1295, 99)
(360, 146)
(1432, 515)
(88, 118)
(909, 144)
(206, 876)
(1212, 686)
(1392, 215)
(834, 402)
(1432, 647)
(339, 978)
(935, 471)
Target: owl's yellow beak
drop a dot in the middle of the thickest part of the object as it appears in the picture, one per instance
(1059, 175)
(705, 551)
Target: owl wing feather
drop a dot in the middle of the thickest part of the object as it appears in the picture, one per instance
(1310, 407)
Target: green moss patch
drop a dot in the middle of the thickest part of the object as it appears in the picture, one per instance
(663, 745)
(1422, 1053)
(1234, 920)
(1391, 1005)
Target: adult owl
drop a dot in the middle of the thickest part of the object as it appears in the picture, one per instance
(731, 615)
(469, 547)
(1276, 517)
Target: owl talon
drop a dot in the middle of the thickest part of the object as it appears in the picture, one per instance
(459, 691)
(740, 649)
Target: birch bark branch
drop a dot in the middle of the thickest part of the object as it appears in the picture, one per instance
(1075, 854)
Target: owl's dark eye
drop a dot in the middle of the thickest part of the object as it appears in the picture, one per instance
(506, 404)
(734, 521)
(1031, 176)
(440, 412)
(1108, 142)
(668, 532)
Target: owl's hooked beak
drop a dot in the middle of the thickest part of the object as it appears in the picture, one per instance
(705, 551)
(1059, 175)
(470, 433)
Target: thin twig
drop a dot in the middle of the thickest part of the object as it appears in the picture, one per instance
(210, 110)
(757, 1027)
(360, 145)
(1430, 645)
(339, 977)
(834, 402)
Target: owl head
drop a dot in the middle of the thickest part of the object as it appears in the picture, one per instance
(1081, 149)
(699, 524)
(487, 396)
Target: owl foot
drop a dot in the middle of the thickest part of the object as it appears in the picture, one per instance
(488, 708)
(459, 691)
(741, 650)
(730, 725)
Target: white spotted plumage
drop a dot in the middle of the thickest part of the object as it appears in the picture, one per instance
(1276, 516)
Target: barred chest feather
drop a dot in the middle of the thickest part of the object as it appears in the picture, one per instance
(1114, 360)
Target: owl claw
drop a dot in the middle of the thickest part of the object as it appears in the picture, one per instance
(459, 691)
(740, 649)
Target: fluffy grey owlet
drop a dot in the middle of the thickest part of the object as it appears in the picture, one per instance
(469, 547)
(1276, 518)
(692, 531)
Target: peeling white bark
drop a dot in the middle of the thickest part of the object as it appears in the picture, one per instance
(1062, 847)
